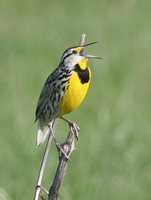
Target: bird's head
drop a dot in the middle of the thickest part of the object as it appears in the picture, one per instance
(75, 55)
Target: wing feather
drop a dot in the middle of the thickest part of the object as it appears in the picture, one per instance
(47, 92)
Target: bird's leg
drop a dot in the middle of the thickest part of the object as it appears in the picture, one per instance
(50, 125)
(73, 127)
(59, 147)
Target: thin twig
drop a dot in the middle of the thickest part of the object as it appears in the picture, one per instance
(38, 188)
(82, 41)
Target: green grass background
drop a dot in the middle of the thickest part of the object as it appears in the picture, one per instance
(113, 156)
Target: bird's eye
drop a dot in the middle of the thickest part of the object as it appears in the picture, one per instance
(74, 51)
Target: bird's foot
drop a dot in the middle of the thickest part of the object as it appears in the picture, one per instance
(74, 128)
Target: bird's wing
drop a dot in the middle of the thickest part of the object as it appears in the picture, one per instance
(47, 92)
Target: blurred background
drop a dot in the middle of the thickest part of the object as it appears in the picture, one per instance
(112, 160)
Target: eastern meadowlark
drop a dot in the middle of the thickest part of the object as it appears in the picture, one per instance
(64, 90)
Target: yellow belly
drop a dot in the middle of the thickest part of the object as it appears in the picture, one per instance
(74, 95)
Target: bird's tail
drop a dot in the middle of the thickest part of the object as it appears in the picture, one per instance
(42, 134)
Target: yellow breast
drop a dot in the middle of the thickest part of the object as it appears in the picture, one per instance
(75, 93)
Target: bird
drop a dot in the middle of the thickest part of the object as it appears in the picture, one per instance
(64, 90)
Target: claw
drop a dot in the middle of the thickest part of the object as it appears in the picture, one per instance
(74, 129)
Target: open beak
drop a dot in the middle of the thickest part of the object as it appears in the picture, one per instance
(85, 46)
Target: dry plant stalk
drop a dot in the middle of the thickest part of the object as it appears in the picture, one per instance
(68, 148)
(83, 37)
(39, 188)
